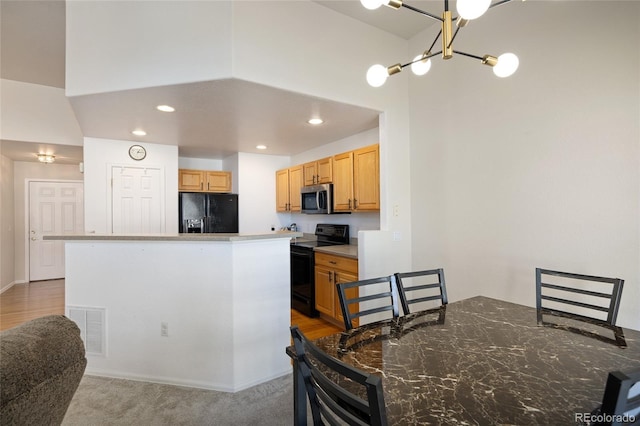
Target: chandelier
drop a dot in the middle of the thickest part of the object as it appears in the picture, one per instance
(503, 65)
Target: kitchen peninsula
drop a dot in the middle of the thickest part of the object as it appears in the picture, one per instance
(202, 310)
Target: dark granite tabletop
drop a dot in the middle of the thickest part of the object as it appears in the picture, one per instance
(483, 361)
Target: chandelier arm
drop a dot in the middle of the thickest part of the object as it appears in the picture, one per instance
(415, 9)
(500, 3)
(421, 58)
(468, 55)
(435, 40)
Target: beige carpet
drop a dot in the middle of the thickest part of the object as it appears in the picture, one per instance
(103, 401)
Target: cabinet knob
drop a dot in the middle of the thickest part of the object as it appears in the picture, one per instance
(355, 203)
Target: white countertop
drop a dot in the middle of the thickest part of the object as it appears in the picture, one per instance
(173, 237)
(346, 250)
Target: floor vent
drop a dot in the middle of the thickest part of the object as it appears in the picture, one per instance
(91, 322)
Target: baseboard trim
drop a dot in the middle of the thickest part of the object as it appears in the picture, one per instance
(11, 284)
(177, 382)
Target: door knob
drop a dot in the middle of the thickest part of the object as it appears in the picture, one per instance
(33, 232)
(34, 239)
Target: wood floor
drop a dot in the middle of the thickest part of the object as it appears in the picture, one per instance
(24, 302)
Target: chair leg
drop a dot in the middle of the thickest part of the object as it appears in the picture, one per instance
(299, 397)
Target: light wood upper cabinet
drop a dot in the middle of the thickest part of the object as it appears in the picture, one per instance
(204, 181)
(288, 184)
(218, 181)
(282, 190)
(190, 180)
(295, 183)
(320, 171)
(343, 181)
(356, 180)
(366, 178)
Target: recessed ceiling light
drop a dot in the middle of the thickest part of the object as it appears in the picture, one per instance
(165, 108)
(139, 132)
(315, 121)
(261, 146)
(46, 158)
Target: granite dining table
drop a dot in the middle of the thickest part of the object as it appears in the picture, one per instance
(481, 361)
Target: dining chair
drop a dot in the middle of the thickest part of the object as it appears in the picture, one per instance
(622, 397)
(591, 299)
(375, 296)
(326, 379)
(422, 286)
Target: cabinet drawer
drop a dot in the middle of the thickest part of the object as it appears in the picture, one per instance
(337, 262)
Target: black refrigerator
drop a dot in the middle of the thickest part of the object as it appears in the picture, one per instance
(206, 213)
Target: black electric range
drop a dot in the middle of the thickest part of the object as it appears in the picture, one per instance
(303, 297)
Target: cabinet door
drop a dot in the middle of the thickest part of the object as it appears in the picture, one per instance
(310, 173)
(295, 183)
(345, 277)
(190, 180)
(325, 291)
(282, 190)
(324, 170)
(366, 178)
(343, 181)
(218, 181)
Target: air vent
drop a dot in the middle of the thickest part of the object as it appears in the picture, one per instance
(91, 322)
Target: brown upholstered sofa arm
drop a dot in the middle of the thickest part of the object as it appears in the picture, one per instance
(41, 365)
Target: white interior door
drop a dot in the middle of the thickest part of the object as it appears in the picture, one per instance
(55, 208)
(137, 202)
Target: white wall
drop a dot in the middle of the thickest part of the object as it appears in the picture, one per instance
(7, 234)
(200, 164)
(23, 172)
(257, 189)
(132, 44)
(540, 169)
(35, 113)
(206, 295)
(100, 154)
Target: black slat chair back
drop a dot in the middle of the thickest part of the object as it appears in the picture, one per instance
(591, 299)
(421, 286)
(621, 400)
(325, 378)
(377, 295)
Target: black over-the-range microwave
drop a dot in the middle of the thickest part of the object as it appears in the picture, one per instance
(317, 199)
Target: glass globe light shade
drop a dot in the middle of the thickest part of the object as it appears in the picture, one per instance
(377, 75)
(372, 4)
(507, 65)
(472, 9)
(421, 67)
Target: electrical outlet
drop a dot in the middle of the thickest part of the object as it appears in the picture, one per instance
(396, 210)
(164, 329)
(397, 236)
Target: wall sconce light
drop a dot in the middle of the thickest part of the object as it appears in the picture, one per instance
(46, 158)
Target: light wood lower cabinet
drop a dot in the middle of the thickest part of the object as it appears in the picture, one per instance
(331, 270)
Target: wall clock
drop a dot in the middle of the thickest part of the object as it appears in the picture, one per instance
(137, 152)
